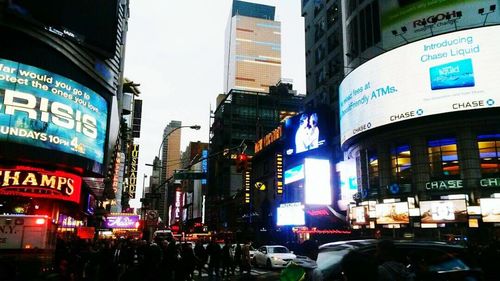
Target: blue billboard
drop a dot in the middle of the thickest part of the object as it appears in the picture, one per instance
(43, 109)
(305, 132)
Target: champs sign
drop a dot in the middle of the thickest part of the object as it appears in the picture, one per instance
(35, 182)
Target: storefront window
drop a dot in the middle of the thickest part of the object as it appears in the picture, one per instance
(401, 165)
(443, 158)
(489, 153)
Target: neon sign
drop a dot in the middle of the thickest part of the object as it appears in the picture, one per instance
(122, 221)
(36, 182)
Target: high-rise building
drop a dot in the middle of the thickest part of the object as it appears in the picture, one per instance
(253, 48)
(171, 149)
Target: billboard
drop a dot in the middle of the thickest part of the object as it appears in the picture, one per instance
(305, 132)
(443, 211)
(490, 209)
(132, 183)
(122, 221)
(294, 174)
(392, 213)
(35, 182)
(405, 21)
(290, 214)
(318, 189)
(359, 215)
(348, 183)
(46, 110)
(447, 73)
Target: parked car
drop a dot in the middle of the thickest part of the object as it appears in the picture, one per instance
(443, 261)
(272, 256)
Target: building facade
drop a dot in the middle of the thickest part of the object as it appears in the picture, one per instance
(253, 48)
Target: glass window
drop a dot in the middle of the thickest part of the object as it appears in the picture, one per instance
(333, 41)
(489, 153)
(319, 29)
(401, 166)
(373, 172)
(332, 15)
(443, 158)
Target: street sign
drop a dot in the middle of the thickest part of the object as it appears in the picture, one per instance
(153, 195)
(190, 176)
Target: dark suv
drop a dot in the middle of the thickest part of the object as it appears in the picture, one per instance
(442, 261)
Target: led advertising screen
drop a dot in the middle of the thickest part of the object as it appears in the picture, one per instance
(447, 73)
(46, 110)
(294, 174)
(392, 213)
(348, 183)
(318, 189)
(490, 209)
(443, 211)
(359, 215)
(290, 214)
(122, 221)
(405, 21)
(304, 132)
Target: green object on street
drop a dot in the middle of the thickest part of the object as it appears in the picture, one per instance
(292, 272)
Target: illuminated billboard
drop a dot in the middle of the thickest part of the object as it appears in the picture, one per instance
(404, 21)
(294, 174)
(490, 209)
(304, 132)
(290, 214)
(35, 182)
(318, 190)
(119, 221)
(392, 213)
(348, 183)
(46, 110)
(447, 73)
(443, 211)
(359, 215)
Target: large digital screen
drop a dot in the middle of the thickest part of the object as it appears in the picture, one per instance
(392, 213)
(46, 110)
(294, 174)
(318, 189)
(443, 211)
(290, 214)
(405, 21)
(490, 209)
(304, 132)
(447, 73)
(359, 215)
(348, 183)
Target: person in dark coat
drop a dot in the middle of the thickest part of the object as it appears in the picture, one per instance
(214, 253)
(227, 261)
(237, 257)
(201, 256)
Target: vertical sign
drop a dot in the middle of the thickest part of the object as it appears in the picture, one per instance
(133, 170)
(247, 186)
(279, 173)
(204, 165)
(179, 202)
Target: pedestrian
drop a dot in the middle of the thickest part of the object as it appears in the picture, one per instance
(227, 262)
(245, 258)
(188, 261)
(214, 252)
(201, 256)
(237, 257)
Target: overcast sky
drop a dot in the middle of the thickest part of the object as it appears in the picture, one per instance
(175, 50)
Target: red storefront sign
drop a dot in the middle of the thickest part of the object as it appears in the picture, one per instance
(35, 182)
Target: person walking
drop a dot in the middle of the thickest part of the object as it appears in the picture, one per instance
(201, 256)
(214, 253)
(245, 258)
(227, 262)
(237, 257)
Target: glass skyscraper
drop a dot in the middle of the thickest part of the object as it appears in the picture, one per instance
(253, 48)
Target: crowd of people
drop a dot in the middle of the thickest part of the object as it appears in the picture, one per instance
(131, 259)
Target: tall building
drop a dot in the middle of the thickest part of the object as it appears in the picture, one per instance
(417, 116)
(253, 48)
(171, 149)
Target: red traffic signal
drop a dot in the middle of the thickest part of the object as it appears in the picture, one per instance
(241, 162)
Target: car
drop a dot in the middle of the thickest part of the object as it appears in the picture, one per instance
(273, 256)
(443, 261)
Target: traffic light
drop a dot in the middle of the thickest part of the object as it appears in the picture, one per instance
(241, 162)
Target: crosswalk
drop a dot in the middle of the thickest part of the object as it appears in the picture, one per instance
(253, 272)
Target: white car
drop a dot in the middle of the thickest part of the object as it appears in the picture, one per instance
(272, 256)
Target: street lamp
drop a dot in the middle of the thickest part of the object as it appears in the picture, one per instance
(195, 127)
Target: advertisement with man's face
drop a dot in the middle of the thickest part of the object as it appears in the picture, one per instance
(448, 73)
(404, 21)
(305, 132)
(46, 110)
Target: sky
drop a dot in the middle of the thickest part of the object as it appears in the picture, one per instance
(175, 51)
